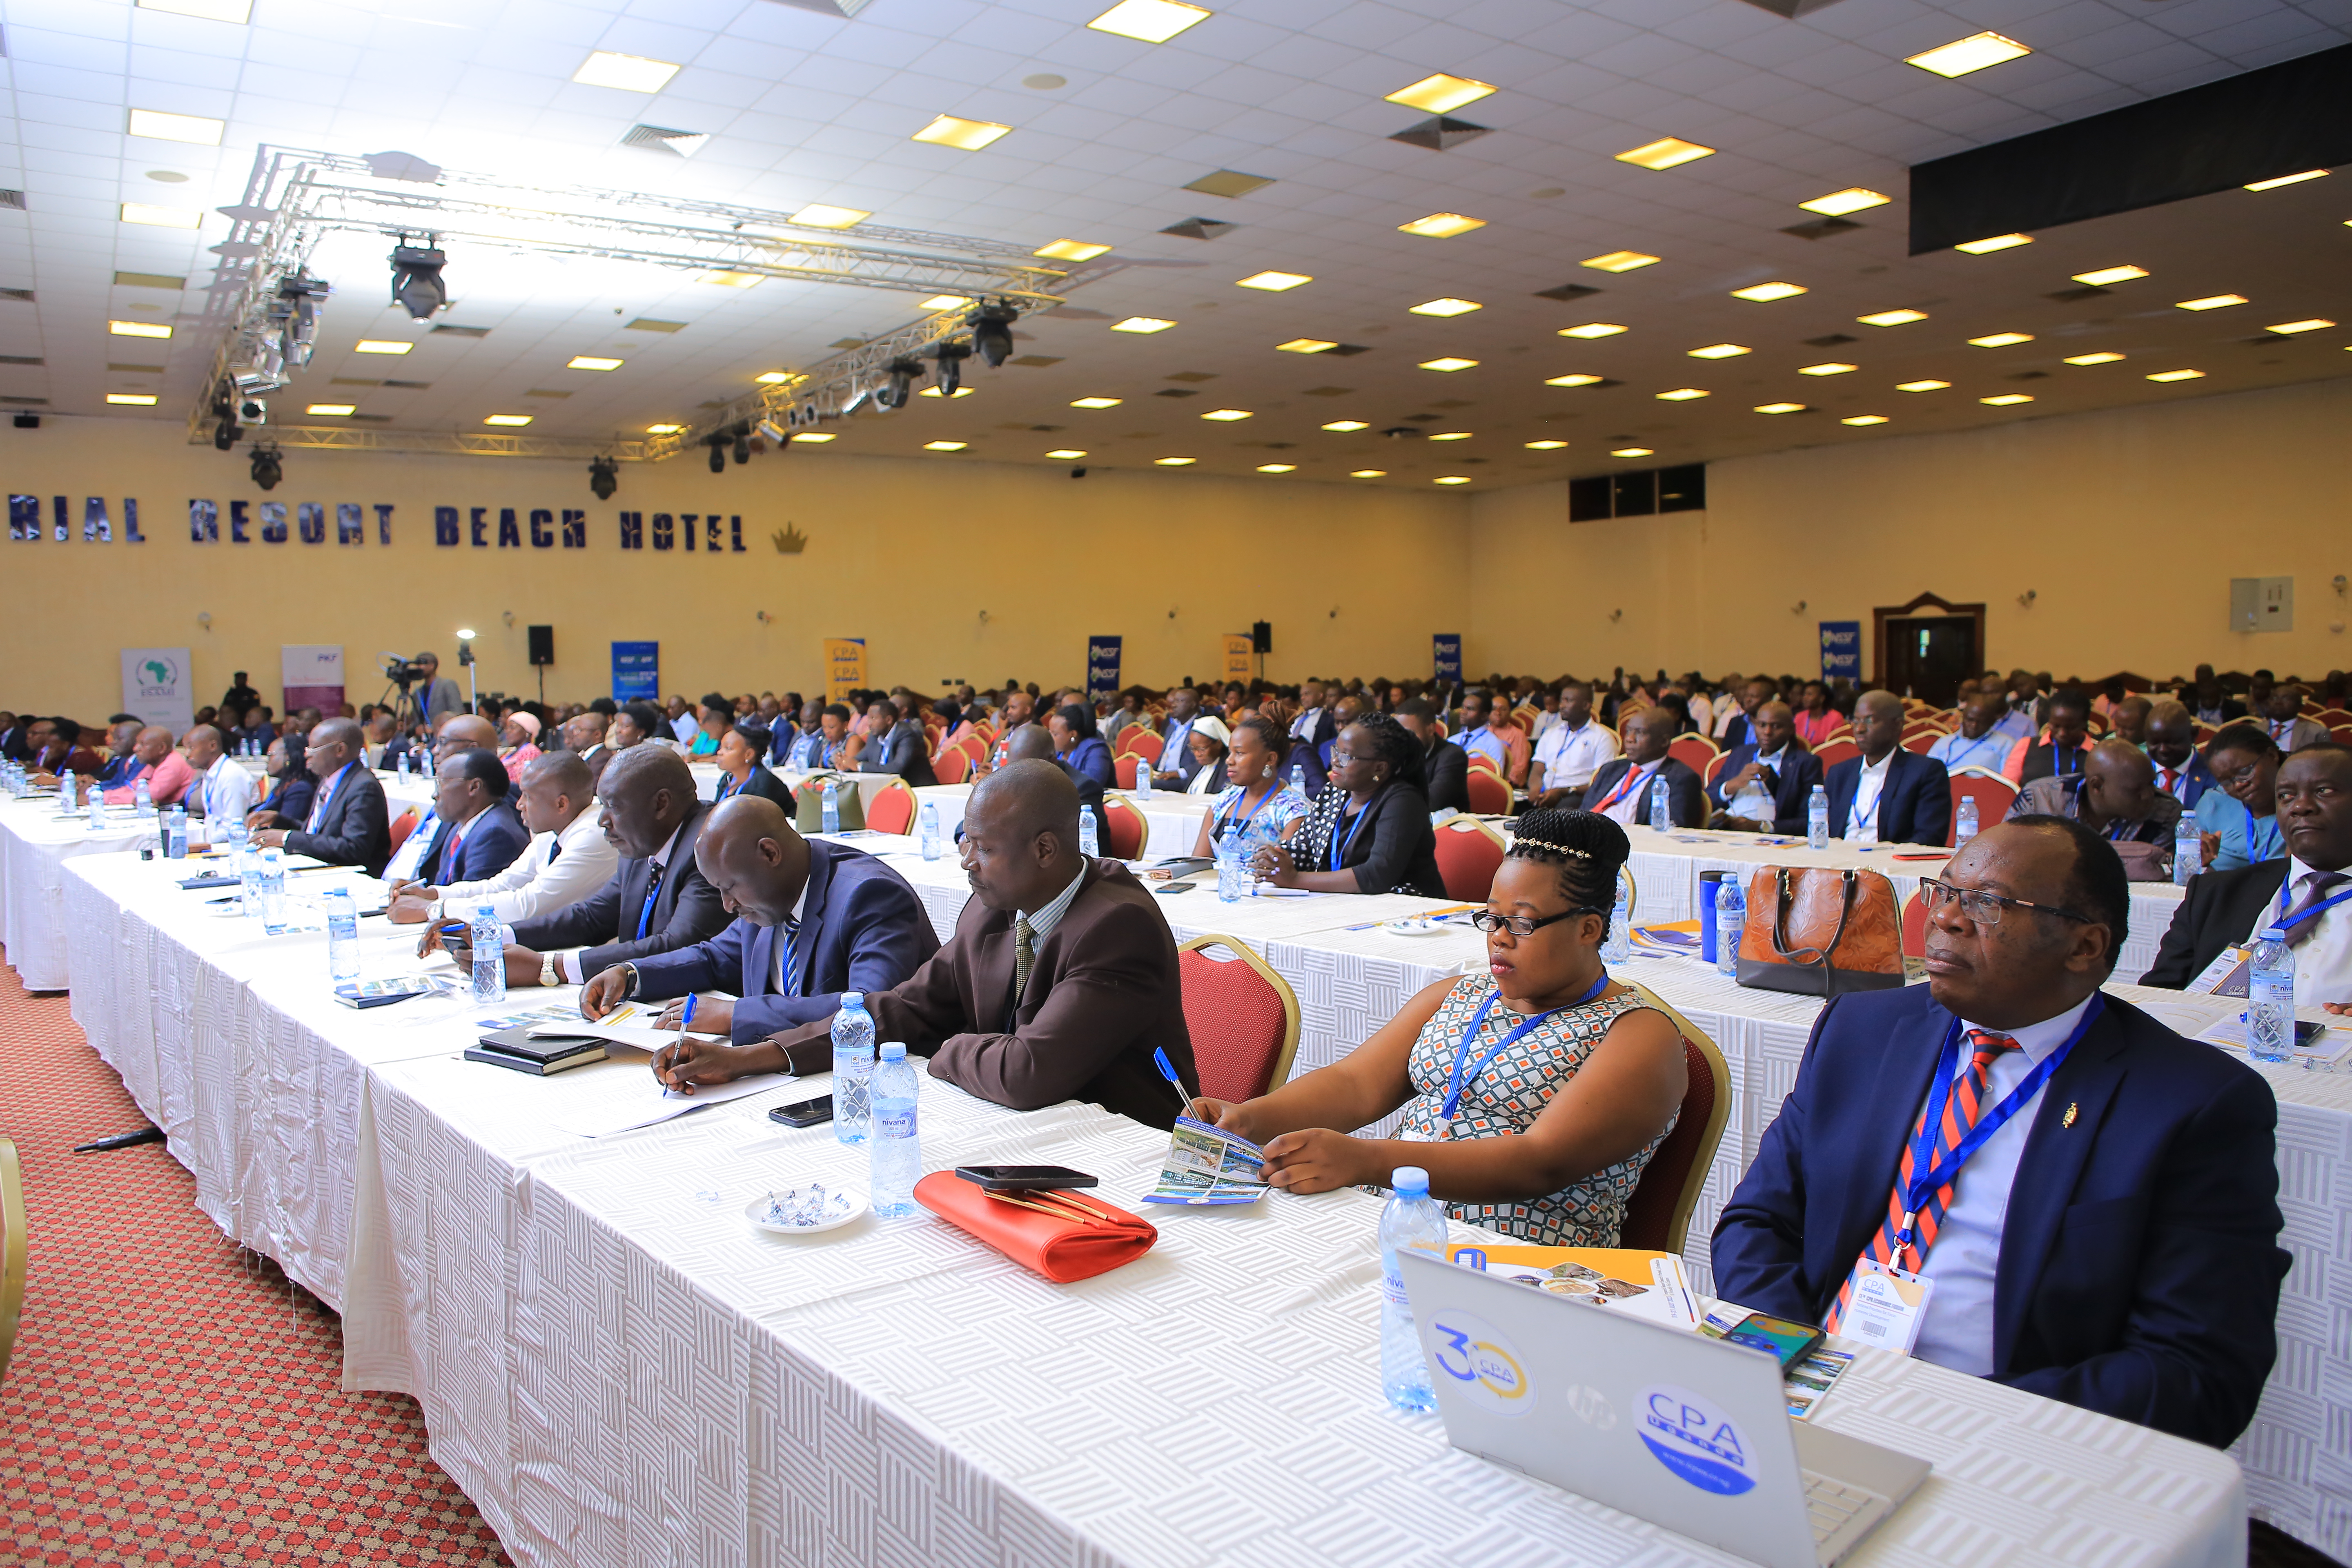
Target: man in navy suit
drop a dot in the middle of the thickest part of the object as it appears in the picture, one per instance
(1902, 797)
(484, 833)
(2112, 1242)
(814, 920)
(347, 825)
(1782, 771)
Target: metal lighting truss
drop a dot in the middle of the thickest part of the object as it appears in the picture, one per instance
(294, 197)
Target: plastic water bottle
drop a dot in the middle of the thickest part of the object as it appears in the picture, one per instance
(1298, 778)
(1230, 872)
(1964, 827)
(343, 935)
(1619, 947)
(1143, 780)
(2270, 998)
(402, 766)
(175, 834)
(1731, 921)
(832, 806)
(898, 1149)
(248, 880)
(97, 808)
(2187, 851)
(142, 800)
(489, 949)
(1089, 836)
(853, 1070)
(1817, 819)
(66, 792)
(1662, 816)
(272, 880)
(930, 830)
(1411, 1221)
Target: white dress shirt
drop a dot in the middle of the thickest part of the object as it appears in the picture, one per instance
(555, 871)
(1303, 725)
(1862, 817)
(2322, 961)
(1630, 807)
(1572, 756)
(226, 791)
(1957, 1330)
(1753, 802)
(686, 726)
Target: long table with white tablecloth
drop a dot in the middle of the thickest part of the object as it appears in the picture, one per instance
(619, 1371)
(36, 840)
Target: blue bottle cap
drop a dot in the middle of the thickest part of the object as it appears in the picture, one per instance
(2273, 933)
(1408, 1181)
(893, 1050)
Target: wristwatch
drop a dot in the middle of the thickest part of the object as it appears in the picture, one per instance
(547, 975)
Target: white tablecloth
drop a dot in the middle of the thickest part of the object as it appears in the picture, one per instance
(618, 1370)
(35, 842)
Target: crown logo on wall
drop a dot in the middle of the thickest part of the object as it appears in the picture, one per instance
(790, 541)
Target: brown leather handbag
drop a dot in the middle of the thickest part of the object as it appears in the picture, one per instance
(1819, 931)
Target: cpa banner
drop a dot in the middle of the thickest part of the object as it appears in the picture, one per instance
(1446, 648)
(637, 672)
(1238, 654)
(1102, 668)
(1841, 649)
(845, 668)
(313, 676)
(155, 687)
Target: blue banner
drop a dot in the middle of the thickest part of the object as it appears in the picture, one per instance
(637, 672)
(1841, 651)
(1447, 648)
(1102, 666)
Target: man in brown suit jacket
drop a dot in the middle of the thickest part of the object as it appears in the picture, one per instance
(1059, 983)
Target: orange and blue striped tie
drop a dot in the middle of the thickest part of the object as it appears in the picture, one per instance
(1961, 1109)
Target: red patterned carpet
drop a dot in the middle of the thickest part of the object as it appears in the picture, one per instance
(173, 1398)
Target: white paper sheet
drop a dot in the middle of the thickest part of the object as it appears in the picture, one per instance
(615, 1102)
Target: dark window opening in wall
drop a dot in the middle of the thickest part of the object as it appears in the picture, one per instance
(1641, 492)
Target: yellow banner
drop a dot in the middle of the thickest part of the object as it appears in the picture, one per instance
(845, 668)
(1237, 656)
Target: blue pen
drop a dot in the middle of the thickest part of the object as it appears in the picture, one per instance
(1159, 1060)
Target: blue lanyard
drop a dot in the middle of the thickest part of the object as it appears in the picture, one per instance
(2276, 840)
(1336, 853)
(2313, 913)
(1924, 1181)
(1228, 821)
(1958, 762)
(1634, 779)
(646, 915)
(1458, 1078)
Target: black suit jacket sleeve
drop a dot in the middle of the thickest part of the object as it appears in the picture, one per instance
(355, 831)
(1795, 797)
(1448, 775)
(1404, 851)
(1686, 795)
(2220, 911)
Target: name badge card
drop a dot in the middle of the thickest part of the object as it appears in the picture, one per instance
(1886, 1306)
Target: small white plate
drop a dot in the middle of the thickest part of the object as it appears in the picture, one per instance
(842, 1205)
(1417, 927)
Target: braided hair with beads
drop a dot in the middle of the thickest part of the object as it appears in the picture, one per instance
(1587, 849)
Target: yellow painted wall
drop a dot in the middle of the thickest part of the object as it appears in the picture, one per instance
(2128, 525)
(904, 553)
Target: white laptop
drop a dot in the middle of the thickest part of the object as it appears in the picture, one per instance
(1687, 1432)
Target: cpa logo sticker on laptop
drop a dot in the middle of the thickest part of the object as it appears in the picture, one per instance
(1695, 1440)
(1484, 1365)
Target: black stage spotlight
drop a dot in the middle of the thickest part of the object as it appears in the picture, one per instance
(266, 467)
(992, 331)
(416, 285)
(743, 433)
(718, 444)
(603, 478)
(950, 356)
(901, 385)
(29, 421)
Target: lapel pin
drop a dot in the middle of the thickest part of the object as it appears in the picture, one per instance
(2068, 1121)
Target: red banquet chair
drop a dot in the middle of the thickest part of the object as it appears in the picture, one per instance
(1468, 855)
(1489, 795)
(1242, 1015)
(1658, 1214)
(1993, 795)
(1128, 830)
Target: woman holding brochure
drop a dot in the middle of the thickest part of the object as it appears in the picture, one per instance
(1534, 1093)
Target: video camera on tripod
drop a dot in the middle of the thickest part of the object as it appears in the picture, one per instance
(401, 672)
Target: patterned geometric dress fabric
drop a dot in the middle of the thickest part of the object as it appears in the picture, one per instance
(1506, 1097)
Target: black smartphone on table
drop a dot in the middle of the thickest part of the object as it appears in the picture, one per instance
(1024, 1178)
(805, 1113)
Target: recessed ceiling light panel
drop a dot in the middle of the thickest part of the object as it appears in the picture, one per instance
(1544, 446)
(1720, 350)
(1973, 53)
(594, 362)
(1070, 250)
(1095, 403)
(1577, 380)
(1997, 242)
(1635, 452)
(2212, 302)
(1592, 330)
(1369, 474)
(1227, 415)
(1441, 94)
(818, 214)
(1447, 363)
(1666, 153)
(1837, 204)
(2106, 275)
(2288, 328)
(1306, 345)
(2107, 358)
(333, 410)
(381, 346)
(2288, 180)
(630, 73)
(1142, 324)
(161, 217)
(512, 420)
(954, 130)
(1440, 226)
(1832, 367)
(1921, 385)
(2006, 400)
(1175, 462)
(1681, 394)
(1277, 467)
(195, 128)
(945, 445)
(1344, 426)
(1779, 408)
(1274, 282)
(2178, 375)
(1892, 318)
(1864, 419)
(139, 329)
(1763, 293)
(1064, 454)
(1446, 306)
(1619, 261)
(1148, 21)
(2000, 339)
(137, 399)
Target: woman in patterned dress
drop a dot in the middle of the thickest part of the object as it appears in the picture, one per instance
(1534, 1093)
(1256, 805)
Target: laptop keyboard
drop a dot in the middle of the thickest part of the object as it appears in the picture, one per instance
(1830, 1504)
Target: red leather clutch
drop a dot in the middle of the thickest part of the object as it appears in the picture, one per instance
(1063, 1236)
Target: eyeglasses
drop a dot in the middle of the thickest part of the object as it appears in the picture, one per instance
(1525, 925)
(2239, 775)
(1985, 908)
(1340, 758)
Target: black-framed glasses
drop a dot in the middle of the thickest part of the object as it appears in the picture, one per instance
(1340, 758)
(1985, 908)
(2239, 775)
(1525, 925)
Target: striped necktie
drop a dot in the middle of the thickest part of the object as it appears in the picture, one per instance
(790, 972)
(1961, 1109)
(1025, 958)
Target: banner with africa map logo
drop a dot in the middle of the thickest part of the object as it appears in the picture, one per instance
(155, 687)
